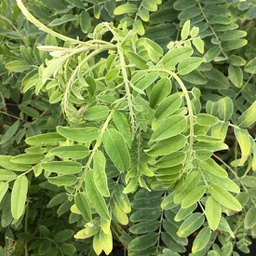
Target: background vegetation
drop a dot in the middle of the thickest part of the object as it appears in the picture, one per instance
(127, 127)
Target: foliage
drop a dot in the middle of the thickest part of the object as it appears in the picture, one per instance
(127, 122)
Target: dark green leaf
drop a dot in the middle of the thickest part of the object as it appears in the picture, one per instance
(143, 242)
(83, 206)
(10, 132)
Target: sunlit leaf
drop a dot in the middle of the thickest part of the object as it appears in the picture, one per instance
(19, 196)
(84, 134)
(62, 167)
(248, 117)
(191, 224)
(99, 173)
(201, 240)
(212, 212)
(95, 197)
(223, 197)
(188, 65)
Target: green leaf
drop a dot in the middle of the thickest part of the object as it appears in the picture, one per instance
(7, 175)
(63, 235)
(96, 113)
(125, 8)
(19, 196)
(46, 139)
(95, 197)
(220, 130)
(226, 108)
(234, 44)
(62, 167)
(199, 44)
(206, 119)
(248, 117)
(10, 132)
(236, 60)
(185, 30)
(188, 65)
(224, 226)
(210, 166)
(106, 242)
(118, 213)
(250, 218)
(27, 158)
(165, 147)
(171, 160)
(63, 180)
(116, 148)
(174, 56)
(190, 182)
(225, 183)
(168, 106)
(17, 66)
(91, 229)
(170, 127)
(154, 50)
(245, 143)
(223, 197)
(64, 19)
(149, 5)
(99, 173)
(3, 189)
(160, 91)
(212, 53)
(250, 67)
(147, 80)
(85, 21)
(193, 196)
(201, 240)
(83, 134)
(5, 162)
(144, 227)
(235, 75)
(191, 224)
(74, 151)
(136, 59)
(183, 213)
(143, 242)
(212, 212)
(122, 198)
(83, 206)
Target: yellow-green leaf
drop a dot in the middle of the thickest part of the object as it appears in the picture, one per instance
(223, 197)
(19, 196)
